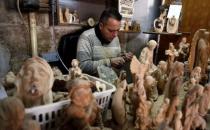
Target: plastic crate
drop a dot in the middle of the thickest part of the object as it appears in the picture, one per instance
(46, 115)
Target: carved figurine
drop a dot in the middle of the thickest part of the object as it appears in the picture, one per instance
(67, 16)
(100, 86)
(161, 76)
(204, 102)
(61, 15)
(126, 25)
(190, 109)
(174, 81)
(34, 82)
(172, 54)
(118, 102)
(146, 56)
(202, 54)
(183, 48)
(177, 121)
(150, 85)
(161, 116)
(172, 25)
(196, 74)
(83, 111)
(75, 71)
(143, 119)
(159, 22)
(11, 114)
(199, 52)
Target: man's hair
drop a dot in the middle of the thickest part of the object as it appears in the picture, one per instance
(110, 13)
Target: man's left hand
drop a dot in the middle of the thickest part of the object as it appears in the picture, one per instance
(127, 56)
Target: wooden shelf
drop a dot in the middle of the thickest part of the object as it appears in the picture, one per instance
(69, 24)
(166, 33)
(130, 31)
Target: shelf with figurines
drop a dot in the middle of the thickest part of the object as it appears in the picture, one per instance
(130, 27)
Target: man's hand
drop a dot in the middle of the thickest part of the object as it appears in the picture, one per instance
(117, 62)
(127, 56)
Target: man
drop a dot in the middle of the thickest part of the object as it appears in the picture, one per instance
(100, 45)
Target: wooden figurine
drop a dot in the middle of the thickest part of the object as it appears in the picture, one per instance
(161, 116)
(172, 25)
(190, 109)
(34, 82)
(204, 102)
(75, 71)
(143, 119)
(183, 48)
(161, 76)
(61, 15)
(118, 102)
(172, 54)
(177, 121)
(11, 114)
(159, 22)
(146, 56)
(83, 111)
(199, 51)
(150, 85)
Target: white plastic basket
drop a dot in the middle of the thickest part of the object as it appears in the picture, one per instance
(46, 115)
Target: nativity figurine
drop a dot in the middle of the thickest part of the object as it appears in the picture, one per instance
(150, 85)
(159, 22)
(172, 53)
(83, 111)
(146, 56)
(161, 76)
(172, 25)
(118, 107)
(183, 48)
(34, 82)
(75, 71)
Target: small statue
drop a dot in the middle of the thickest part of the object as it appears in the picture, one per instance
(118, 102)
(67, 16)
(177, 121)
(100, 86)
(196, 74)
(204, 102)
(161, 116)
(83, 111)
(61, 15)
(11, 114)
(199, 52)
(146, 56)
(161, 76)
(75, 71)
(190, 109)
(126, 25)
(172, 54)
(34, 82)
(159, 22)
(183, 48)
(150, 85)
(76, 17)
(172, 25)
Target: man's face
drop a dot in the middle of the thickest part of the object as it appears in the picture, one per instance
(110, 29)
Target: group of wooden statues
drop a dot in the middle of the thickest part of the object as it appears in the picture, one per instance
(169, 96)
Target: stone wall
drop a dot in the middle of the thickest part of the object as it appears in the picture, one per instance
(15, 35)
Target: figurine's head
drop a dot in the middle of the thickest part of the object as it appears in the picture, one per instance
(184, 39)
(152, 44)
(75, 63)
(162, 66)
(12, 113)
(34, 79)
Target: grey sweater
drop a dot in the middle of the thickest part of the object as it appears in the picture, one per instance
(92, 53)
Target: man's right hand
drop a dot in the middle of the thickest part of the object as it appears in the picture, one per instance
(117, 62)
